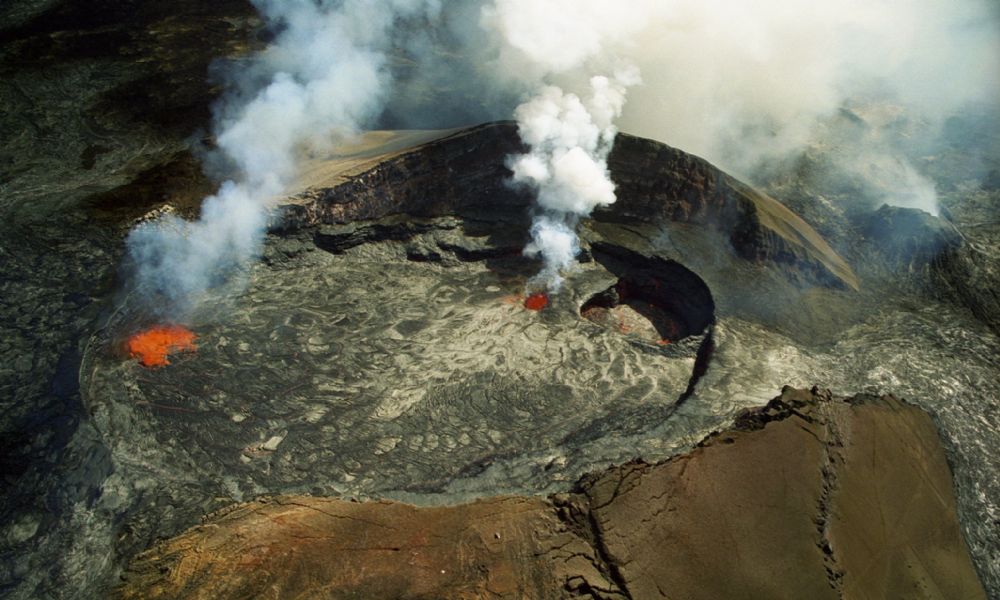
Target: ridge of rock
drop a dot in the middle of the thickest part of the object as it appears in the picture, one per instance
(464, 174)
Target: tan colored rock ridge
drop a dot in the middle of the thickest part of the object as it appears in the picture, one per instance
(811, 496)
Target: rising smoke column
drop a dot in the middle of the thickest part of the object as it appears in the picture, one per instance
(569, 137)
(746, 87)
(752, 87)
(323, 78)
(570, 140)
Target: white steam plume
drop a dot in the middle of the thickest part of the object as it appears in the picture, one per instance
(569, 142)
(323, 78)
(741, 85)
(569, 138)
(751, 85)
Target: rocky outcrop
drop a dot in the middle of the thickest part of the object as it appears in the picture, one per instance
(953, 257)
(464, 174)
(970, 272)
(909, 239)
(809, 497)
(657, 181)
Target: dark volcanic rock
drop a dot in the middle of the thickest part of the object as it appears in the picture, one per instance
(662, 284)
(96, 102)
(99, 101)
(809, 497)
(942, 257)
(909, 239)
(464, 174)
(657, 181)
(971, 275)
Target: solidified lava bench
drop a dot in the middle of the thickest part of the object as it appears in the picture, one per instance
(361, 370)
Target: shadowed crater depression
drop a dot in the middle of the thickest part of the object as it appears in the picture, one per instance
(653, 299)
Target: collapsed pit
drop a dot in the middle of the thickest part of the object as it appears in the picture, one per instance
(654, 299)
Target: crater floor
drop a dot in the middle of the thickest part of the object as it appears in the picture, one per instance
(367, 372)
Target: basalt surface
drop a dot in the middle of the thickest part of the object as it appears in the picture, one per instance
(809, 497)
(402, 366)
(391, 357)
(381, 348)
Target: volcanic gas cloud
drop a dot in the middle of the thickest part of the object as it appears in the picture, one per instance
(722, 85)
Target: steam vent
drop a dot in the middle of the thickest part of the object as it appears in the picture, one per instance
(499, 299)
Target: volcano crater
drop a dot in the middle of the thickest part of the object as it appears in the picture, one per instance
(382, 375)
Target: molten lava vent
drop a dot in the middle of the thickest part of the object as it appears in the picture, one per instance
(151, 346)
(536, 301)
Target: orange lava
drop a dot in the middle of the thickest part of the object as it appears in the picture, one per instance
(536, 301)
(152, 345)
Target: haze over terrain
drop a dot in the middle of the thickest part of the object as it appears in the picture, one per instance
(748, 89)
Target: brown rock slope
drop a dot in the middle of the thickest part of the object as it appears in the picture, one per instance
(464, 174)
(810, 497)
